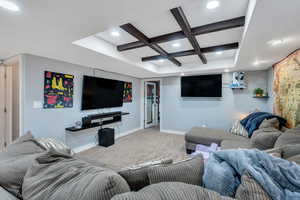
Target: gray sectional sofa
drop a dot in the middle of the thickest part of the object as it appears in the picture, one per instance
(266, 137)
(30, 170)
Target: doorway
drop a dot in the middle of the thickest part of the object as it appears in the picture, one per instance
(152, 101)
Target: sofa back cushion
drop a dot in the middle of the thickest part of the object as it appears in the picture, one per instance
(51, 143)
(249, 189)
(137, 176)
(171, 191)
(291, 136)
(265, 138)
(58, 176)
(188, 171)
(15, 161)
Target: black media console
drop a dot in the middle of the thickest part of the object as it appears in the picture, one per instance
(106, 135)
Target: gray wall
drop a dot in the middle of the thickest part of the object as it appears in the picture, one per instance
(52, 122)
(180, 114)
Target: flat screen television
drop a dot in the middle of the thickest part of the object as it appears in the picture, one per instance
(201, 86)
(101, 93)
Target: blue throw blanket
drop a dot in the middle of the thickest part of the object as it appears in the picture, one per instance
(279, 178)
(252, 122)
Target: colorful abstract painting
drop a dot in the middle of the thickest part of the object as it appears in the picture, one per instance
(58, 90)
(287, 89)
(127, 97)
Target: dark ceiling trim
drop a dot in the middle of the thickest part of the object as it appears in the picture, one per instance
(192, 52)
(129, 28)
(209, 28)
(187, 30)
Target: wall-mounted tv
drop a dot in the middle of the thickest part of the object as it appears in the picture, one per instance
(101, 93)
(201, 86)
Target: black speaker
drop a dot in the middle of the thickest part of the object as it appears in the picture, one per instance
(106, 137)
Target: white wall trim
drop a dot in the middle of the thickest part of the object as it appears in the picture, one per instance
(173, 132)
(93, 144)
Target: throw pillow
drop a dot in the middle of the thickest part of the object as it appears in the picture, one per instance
(238, 129)
(290, 150)
(15, 161)
(50, 143)
(137, 176)
(188, 171)
(249, 189)
(270, 123)
(171, 191)
(287, 138)
(263, 140)
(58, 176)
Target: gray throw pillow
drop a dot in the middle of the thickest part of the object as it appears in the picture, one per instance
(189, 171)
(15, 161)
(287, 138)
(270, 123)
(137, 176)
(58, 176)
(171, 191)
(251, 190)
(264, 140)
(51, 143)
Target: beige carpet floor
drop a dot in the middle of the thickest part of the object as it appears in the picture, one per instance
(139, 147)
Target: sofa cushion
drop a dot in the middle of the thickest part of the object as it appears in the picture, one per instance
(238, 129)
(290, 150)
(189, 171)
(15, 161)
(295, 159)
(58, 176)
(287, 138)
(6, 195)
(206, 136)
(236, 144)
(51, 143)
(171, 191)
(270, 123)
(249, 189)
(137, 176)
(265, 138)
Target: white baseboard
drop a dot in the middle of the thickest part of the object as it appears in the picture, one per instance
(91, 145)
(173, 132)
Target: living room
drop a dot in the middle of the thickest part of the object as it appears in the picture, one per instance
(159, 87)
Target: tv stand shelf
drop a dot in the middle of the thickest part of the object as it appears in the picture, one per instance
(115, 117)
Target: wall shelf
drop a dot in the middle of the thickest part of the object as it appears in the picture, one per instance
(261, 97)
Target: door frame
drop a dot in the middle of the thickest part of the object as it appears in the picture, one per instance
(146, 125)
(142, 93)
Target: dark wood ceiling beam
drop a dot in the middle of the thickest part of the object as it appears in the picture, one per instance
(209, 28)
(187, 30)
(192, 52)
(129, 28)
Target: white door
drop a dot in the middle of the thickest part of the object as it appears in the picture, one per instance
(151, 106)
(2, 108)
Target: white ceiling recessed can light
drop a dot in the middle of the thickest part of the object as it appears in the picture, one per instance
(212, 4)
(226, 70)
(115, 33)
(219, 52)
(182, 74)
(8, 5)
(275, 42)
(161, 60)
(176, 45)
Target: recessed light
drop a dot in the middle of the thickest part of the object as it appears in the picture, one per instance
(275, 42)
(212, 4)
(226, 70)
(219, 52)
(182, 74)
(176, 45)
(9, 5)
(161, 60)
(115, 33)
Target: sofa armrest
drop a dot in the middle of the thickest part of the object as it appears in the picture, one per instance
(6, 195)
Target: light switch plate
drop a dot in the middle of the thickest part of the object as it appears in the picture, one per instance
(37, 104)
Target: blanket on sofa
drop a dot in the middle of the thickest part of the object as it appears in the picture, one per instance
(279, 178)
(252, 122)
